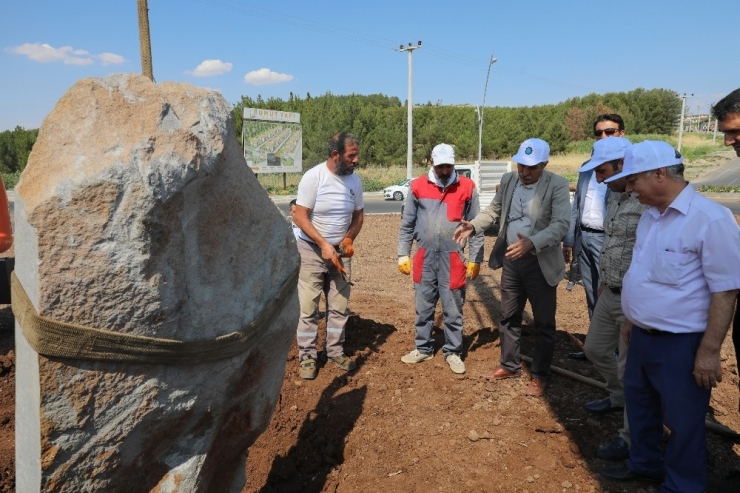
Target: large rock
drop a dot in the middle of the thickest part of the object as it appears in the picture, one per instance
(137, 214)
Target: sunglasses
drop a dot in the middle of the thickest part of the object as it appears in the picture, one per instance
(607, 131)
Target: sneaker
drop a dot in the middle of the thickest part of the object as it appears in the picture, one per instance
(307, 369)
(456, 364)
(416, 356)
(343, 362)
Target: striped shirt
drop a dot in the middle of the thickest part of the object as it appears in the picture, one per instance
(622, 215)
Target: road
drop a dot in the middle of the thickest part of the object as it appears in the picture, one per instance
(374, 203)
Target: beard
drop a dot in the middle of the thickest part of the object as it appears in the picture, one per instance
(343, 169)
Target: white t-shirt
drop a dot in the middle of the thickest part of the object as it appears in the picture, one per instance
(332, 199)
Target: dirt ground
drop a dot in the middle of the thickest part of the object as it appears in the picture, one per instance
(393, 427)
(389, 427)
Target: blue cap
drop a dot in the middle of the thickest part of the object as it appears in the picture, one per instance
(532, 152)
(646, 156)
(605, 150)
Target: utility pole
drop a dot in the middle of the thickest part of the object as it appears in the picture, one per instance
(480, 113)
(680, 126)
(714, 135)
(410, 151)
(145, 44)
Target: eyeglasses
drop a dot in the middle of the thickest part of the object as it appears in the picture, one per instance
(607, 131)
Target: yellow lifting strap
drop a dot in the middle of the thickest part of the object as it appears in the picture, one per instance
(64, 340)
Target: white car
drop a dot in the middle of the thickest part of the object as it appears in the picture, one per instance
(397, 192)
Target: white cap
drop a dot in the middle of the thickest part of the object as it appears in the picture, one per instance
(443, 154)
(532, 152)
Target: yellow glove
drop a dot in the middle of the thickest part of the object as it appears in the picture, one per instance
(473, 270)
(346, 248)
(404, 265)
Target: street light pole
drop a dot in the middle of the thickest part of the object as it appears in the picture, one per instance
(409, 152)
(480, 113)
(680, 126)
(145, 45)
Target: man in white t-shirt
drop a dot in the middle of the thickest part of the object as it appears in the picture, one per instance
(329, 213)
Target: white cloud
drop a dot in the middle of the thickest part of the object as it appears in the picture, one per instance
(265, 76)
(110, 59)
(209, 68)
(44, 53)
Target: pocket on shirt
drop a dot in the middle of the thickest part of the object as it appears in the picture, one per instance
(669, 267)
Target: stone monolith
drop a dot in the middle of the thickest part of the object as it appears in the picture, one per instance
(137, 214)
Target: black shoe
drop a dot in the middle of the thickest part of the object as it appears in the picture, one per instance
(617, 450)
(623, 473)
(580, 356)
(602, 406)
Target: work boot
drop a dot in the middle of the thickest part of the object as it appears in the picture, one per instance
(343, 362)
(307, 369)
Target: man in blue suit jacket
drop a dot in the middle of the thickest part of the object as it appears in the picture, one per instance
(586, 232)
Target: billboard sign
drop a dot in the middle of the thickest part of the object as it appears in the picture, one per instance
(272, 140)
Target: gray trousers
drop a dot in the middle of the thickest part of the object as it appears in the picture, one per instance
(522, 280)
(602, 339)
(588, 264)
(314, 272)
(434, 285)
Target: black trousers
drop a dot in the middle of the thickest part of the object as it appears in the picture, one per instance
(522, 281)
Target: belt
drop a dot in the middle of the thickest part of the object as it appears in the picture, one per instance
(656, 332)
(591, 230)
(336, 247)
(616, 290)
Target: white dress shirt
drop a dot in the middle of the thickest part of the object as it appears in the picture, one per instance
(594, 204)
(680, 258)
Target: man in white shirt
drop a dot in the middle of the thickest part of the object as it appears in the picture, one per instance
(329, 213)
(678, 298)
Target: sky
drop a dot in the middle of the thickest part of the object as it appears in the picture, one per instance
(546, 51)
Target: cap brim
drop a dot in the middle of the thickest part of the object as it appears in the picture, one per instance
(524, 162)
(588, 166)
(444, 162)
(617, 176)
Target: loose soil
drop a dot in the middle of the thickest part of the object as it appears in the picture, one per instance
(393, 427)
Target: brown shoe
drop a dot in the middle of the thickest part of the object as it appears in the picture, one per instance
(501, 374)
(536, 387)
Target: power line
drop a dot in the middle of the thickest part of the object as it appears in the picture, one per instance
(373, 40)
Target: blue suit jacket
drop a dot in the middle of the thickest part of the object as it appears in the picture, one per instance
(573, 236)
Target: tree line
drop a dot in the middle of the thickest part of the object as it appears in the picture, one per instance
(380, 123)
(15, 146)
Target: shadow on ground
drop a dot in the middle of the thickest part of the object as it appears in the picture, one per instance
(323, 432)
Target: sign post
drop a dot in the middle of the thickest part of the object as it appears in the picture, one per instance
(273, 141)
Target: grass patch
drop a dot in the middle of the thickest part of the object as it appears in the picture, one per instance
(719, 188)
(696, 148)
